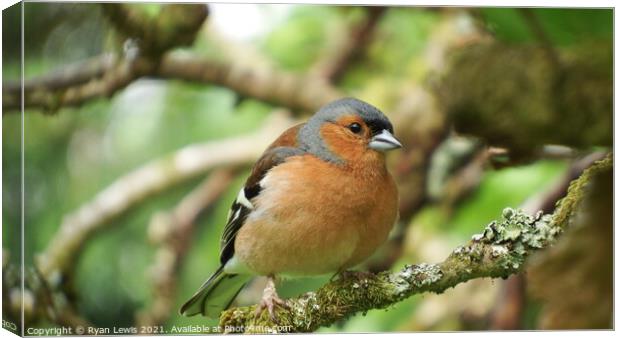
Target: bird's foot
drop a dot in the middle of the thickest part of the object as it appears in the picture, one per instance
(270, 300)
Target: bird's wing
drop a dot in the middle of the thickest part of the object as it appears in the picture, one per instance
(285, 146)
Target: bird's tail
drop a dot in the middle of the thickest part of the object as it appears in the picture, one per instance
(215, 295)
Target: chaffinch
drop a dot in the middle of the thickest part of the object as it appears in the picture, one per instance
(319, 200)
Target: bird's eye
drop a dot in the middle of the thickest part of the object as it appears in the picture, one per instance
(355, 127)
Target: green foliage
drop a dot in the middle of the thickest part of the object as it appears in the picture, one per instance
(404, 34)
(562, 25)
(507, 24)
(508, 187)
(299, 41)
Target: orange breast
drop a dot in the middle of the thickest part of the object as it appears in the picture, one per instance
(315, 218)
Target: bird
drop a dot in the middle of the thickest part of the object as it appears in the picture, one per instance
(319, 200)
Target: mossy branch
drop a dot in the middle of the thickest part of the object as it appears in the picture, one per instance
(499, 251)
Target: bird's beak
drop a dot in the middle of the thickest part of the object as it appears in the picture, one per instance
(384, 141)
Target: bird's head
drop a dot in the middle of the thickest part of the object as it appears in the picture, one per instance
(348, 130)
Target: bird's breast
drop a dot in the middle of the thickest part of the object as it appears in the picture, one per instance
(313, 217)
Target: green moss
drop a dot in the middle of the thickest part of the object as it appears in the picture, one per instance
(521, 101)
(566, 207)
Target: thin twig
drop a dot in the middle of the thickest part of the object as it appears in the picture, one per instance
(360, 37)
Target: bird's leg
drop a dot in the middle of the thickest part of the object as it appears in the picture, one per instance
(270, 299)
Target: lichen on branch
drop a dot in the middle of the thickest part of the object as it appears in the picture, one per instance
(498, 252)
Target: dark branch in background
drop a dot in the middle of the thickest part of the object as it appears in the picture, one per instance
(50, 303)
(36, 300)
(500, 251)
(539, 32)
(361, 36)
(173, 231)
(508, 311)
(547, 200)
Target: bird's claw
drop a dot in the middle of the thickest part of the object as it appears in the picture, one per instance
(269, 301)
(270, 304)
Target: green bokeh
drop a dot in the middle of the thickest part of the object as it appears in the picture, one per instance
(561, 26)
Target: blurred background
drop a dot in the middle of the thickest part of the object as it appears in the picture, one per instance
(142, 122)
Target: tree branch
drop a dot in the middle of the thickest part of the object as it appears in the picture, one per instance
(500, 251)
(69, 76)
(175, 25)
(294, 91)
(73, 87)
(360, 37)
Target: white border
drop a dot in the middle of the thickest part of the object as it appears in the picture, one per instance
(521, 3)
